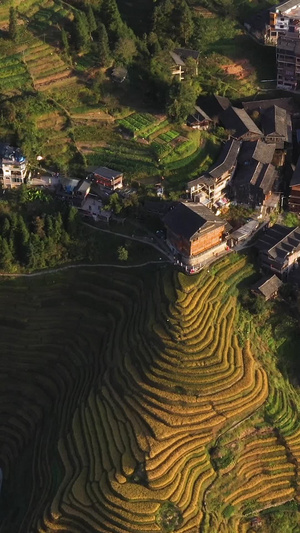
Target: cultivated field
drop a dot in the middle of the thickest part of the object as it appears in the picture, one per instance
(121, 397)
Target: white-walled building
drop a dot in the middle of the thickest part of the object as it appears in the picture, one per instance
(13, 167)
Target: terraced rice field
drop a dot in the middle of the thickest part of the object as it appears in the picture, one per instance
(114, 387)
(45, 66)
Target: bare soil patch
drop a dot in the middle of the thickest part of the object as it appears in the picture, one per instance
(241, 69)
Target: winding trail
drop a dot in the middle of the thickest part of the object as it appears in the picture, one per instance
(79, 265)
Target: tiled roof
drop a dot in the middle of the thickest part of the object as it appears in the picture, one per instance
(279, 241)
(268, 286)
(274, 122)
(258, 150)
(238, 121)
(185, 53)
(296, 175)
(287, 103)
(225, 161)
(189, 219)
(108, 173)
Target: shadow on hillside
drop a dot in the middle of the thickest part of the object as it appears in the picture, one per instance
(47, 25)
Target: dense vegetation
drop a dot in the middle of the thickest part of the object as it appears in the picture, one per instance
(58, 99)
(152, 414)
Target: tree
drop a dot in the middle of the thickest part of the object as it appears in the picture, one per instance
(6, 257)
(91, 19)
(13, 25)
(182, 99)
(8, 110)
(173, 20)
(21, 241)
(82, 33)
(65, 41)
(122, 253)
(112, 20)
(103, 46)
(125, 50)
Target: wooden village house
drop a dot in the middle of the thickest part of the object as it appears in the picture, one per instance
(194, 232)
(267, 287)
(209, 189)
(279, 249)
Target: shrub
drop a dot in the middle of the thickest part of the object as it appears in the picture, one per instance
(169, 517)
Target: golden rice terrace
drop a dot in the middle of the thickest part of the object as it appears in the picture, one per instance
(132, 402)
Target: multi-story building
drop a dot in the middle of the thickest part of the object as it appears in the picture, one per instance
(288, 62)
(13, 167)
(279, 249)
(209, 189)
(194, 234)
(107, 177)
(283, 18)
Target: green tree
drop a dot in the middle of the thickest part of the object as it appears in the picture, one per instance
(13, 25)
(58, 228)
(21, 241)
(173, 20)
(6, 257)
(125, 50)
(5, 227)
(122, 253)
(112, 20)
(91, 19)
(103, 46)
(182, 99)
(291, 220)
(65, 41)
(72, 221)
(82, 33)
(8, 110)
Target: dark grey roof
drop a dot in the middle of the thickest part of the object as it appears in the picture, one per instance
(214, 105)
(284, 103)
(279, 241)
(283, 6)
(176, 58)
(289, 42)
(254, 179)
(258, 150)
(226, 159)
(274, 122)
(185, 53)
(198, 115)
(296, 175)
(239, 122)
(190, 219)
(268, 286)
(108, 173)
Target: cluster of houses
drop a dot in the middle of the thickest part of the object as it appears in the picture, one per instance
(246, 170)
(246, 173)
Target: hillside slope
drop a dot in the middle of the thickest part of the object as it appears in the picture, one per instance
(131, 391)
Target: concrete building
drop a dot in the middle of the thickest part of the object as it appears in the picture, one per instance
(288, 62)
(14, 170)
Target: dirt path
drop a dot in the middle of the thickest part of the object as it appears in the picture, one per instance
(80, 265)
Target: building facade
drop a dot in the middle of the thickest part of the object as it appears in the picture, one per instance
(14, 170)
(194, 232)
(109, 178)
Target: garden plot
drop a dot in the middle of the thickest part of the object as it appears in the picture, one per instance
(13, 74)
(45, 65)
(137, 123)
